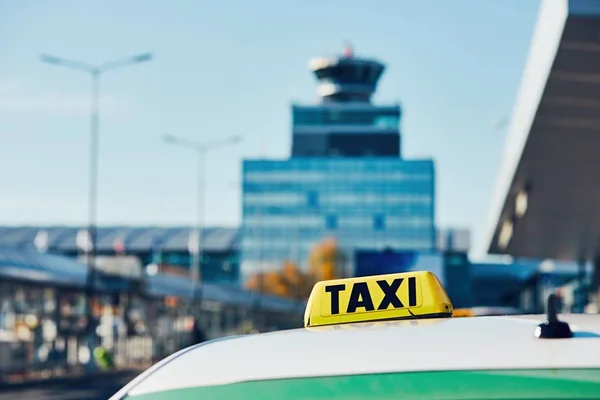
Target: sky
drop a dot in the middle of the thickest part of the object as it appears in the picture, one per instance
(227, 68)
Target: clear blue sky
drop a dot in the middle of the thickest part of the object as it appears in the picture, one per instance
(232, 67)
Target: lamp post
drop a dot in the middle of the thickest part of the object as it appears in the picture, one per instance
(201, 149)
(95, 71)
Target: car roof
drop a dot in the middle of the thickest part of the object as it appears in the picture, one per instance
(480, 343)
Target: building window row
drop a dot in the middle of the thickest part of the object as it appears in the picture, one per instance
(330, 177)
(399, 210)
(373, 165)
(346, 234)
(314, 199)
(295, 246)
(350, 120)
(376, 188)
(282, 249)
(332, 221)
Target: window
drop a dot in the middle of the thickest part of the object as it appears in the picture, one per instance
(331, 222)
(308, 117)
(391, 122)
(312, 199)
(379, 222)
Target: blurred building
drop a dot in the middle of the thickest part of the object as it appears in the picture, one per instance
(345, 178)
(129, 249)
(376, 262)
(522, 284)
(501, 284)
(545, 202)
(451, 239)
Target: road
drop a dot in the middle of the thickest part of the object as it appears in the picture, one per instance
(85, 389)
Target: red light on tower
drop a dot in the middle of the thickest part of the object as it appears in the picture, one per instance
(348, 53)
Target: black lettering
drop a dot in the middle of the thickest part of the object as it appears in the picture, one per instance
(389, 294)
(360, 297)
(412, 291)
(335, 296)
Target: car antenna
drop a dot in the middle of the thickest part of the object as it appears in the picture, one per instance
(552, 328)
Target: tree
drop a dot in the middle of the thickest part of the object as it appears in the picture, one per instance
(291, 273)
(326, 260)
(268, 283)
(289, 282)
(299, 283)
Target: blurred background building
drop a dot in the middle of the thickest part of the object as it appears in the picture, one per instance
(345, 180)
(453, 239)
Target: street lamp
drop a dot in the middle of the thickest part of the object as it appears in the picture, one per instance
(95, 71)
(200, 149)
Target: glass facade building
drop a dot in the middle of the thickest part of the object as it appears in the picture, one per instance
(374, 203)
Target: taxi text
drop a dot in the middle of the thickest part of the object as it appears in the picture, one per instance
(361, 296)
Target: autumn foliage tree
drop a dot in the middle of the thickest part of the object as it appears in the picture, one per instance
(326, 260)
(290, 281)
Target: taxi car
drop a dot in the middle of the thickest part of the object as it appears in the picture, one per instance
(388, 337)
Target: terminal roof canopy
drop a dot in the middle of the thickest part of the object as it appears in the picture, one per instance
(28, 265)
(135, 239)
(547, 200)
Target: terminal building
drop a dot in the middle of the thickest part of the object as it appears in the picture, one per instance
(345, 178)
(547, 202)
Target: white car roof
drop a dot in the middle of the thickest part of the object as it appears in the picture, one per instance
(368, 348)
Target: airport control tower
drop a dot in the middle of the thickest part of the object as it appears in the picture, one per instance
(345, 123)
(345, 179)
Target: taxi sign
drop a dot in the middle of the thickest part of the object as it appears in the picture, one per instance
(382, 297)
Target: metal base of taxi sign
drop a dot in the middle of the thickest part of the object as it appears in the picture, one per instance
(374, 298)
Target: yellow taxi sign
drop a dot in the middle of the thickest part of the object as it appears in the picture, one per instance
(382, 297)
